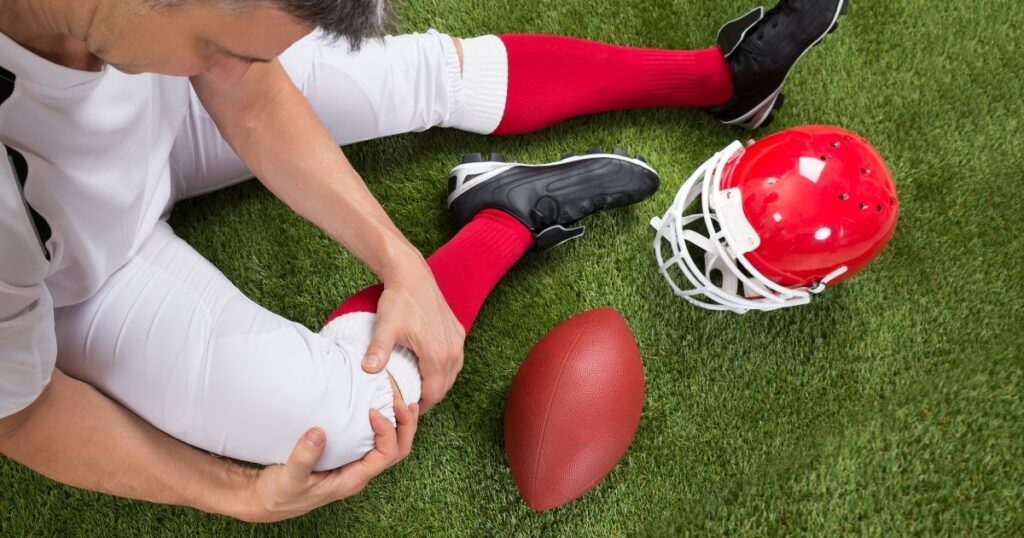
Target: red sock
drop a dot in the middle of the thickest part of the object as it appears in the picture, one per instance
(466, 268)
(554, 78)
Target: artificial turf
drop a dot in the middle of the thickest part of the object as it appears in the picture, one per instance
(894, 404)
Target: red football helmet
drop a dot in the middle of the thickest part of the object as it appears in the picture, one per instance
(778, 221)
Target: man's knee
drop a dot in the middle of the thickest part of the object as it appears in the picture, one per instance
(346, 444)
(257, 403)
(349, 434)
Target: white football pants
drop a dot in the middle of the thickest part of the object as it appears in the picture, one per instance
(169, 337)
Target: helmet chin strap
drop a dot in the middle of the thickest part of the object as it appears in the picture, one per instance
(729, 237)
(820, 286)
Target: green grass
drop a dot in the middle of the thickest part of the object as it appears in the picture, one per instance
(893, 405)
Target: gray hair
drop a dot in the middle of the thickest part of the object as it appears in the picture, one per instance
(354, 20)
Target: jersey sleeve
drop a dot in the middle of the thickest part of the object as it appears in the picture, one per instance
(28, 346)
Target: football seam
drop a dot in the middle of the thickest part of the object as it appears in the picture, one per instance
(547, 414)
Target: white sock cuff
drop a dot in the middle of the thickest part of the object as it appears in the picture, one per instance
(485, 83)
(356, 329)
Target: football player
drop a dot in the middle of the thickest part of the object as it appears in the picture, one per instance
(123, 348)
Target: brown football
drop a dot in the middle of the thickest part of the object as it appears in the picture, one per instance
(573, 408)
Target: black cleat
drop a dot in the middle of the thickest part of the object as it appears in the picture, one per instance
(762, 48)
(548, 198)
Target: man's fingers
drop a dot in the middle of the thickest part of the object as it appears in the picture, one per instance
(352, 478)
(440, 362)
(385, 441)
(380, 348)
(305, 455)
(385, 449)
(408, 422)
(433, 391)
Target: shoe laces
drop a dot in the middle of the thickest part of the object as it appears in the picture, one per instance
(771, 19)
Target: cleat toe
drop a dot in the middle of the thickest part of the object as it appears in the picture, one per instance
(472, 158)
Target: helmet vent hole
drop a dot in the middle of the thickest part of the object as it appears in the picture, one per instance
(878, 208)
(865, 170)
(824, 157)
(835, 144)
(848, 138)
(844, 197)
(863, 205)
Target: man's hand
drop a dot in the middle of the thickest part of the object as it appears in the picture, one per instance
(413, 313)
(290, 490)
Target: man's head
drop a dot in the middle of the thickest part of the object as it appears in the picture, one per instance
(221, 37)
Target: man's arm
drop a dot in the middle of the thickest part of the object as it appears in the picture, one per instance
(272, 127)
(76, 436)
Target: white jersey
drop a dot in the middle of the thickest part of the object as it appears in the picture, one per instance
(92, 178)
(91, 274)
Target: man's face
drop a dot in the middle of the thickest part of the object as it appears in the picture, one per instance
(192, 39)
